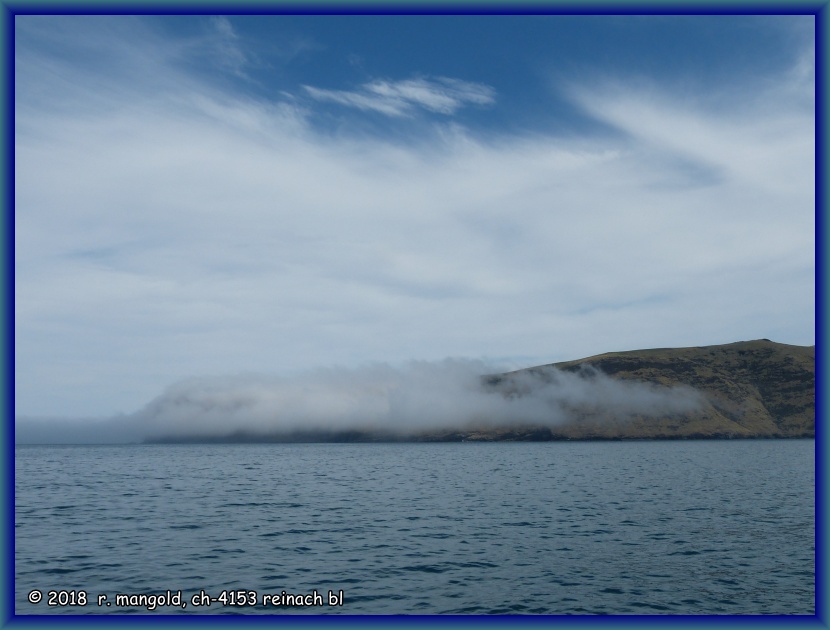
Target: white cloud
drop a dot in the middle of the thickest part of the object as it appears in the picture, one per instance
(777, 157)
(402, 98)
(414, 397)
(227, 47)
(177, 230)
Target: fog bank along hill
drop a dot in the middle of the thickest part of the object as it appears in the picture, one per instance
(749, 389)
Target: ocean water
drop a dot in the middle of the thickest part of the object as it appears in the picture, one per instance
(678, 527)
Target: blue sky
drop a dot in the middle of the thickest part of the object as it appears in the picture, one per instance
(218, 196)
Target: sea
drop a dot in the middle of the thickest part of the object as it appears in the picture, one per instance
(502, 528)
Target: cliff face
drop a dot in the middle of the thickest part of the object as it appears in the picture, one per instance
(749, 389)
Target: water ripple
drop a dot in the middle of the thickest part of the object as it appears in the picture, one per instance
(462, 529)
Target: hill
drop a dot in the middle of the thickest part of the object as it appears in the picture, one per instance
(748, 389)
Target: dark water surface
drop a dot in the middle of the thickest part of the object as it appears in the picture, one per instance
(683, 527)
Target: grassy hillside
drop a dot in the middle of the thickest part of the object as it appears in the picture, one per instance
(750, 389)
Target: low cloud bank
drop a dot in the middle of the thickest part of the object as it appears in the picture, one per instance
(416, 397)
(413, 398)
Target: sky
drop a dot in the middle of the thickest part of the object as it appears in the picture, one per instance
(255, 197)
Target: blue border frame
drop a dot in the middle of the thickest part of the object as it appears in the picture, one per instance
(7, 439)
(8, 10)
(410, 7)
(821, 312)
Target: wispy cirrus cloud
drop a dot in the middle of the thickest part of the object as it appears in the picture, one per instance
(167, 225)
(227, 48)
(441, 95)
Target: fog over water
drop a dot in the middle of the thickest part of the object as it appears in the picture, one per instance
(413, 397)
